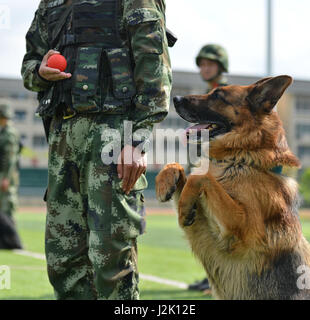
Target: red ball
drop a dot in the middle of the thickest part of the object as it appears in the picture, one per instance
(57, 61)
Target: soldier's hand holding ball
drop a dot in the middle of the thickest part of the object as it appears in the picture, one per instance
(51, 74)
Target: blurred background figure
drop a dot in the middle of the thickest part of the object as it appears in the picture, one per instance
(212, 61)
(9, 154)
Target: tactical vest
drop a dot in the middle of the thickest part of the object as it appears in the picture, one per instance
(87, 33)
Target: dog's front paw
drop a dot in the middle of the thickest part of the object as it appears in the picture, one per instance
(167, 180)
(190, 217)
(189, 198)
(187, 213)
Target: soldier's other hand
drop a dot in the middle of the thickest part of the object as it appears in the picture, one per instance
(131, 164)
(51, 74)
(4, 186)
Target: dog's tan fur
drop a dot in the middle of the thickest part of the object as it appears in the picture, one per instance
(246, 230)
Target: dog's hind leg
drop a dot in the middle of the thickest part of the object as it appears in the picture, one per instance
(170, 182)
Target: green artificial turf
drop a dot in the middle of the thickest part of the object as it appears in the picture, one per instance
(163, 252)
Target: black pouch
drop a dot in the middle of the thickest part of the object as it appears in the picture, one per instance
(86, 93)
(45, 108)
(123, 85)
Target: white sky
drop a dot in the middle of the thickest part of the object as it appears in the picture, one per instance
(238, 25)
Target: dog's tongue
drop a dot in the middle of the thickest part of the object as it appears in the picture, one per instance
(198, 127)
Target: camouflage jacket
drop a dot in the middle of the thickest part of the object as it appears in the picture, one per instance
(152, 71)
(9, 153)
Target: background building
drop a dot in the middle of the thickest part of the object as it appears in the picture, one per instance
(293, 108)
(24, 104)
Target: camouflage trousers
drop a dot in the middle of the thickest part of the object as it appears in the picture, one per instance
(91, 226)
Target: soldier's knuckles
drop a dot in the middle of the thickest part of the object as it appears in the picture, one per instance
(135, 165)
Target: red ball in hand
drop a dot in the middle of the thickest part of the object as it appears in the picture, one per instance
(57, 61)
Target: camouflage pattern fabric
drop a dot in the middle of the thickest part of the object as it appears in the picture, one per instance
(36, 48)
(144, 23)
(85, 89)
(119, 59)
(152, 73)
(221, 82)
(9, 151)
(91, 225)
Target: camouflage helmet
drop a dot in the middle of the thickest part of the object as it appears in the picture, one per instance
(5, 110)
(214, 52)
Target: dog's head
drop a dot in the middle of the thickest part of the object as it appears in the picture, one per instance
(228, 109)
(238, 117)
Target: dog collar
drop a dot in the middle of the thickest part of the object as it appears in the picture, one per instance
(276, 170)
(215, 161)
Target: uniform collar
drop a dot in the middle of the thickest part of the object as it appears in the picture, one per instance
(220, 82)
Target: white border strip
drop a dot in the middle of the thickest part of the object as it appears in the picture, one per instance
(25, 253)
(167, 282)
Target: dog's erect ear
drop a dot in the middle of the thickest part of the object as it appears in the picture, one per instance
(265, 93)
(263, 80)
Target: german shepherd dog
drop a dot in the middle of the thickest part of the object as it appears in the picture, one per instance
(241, 217)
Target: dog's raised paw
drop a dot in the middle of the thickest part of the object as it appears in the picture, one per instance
(166, 183)
(164, 193)
(170, 193)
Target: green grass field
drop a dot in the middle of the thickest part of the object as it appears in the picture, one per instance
(163, 252)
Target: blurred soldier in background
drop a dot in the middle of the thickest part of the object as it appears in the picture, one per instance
(9, 154)
(212, 61)
(118, 70)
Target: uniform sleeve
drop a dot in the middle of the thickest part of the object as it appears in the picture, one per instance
(36, 48)
(145, 23)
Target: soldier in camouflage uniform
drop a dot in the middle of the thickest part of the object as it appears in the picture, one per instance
(9, 155)
(212, 61)
(9, 151)
(95, 210)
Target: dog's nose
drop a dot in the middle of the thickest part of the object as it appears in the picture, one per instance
(177, 100)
